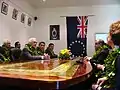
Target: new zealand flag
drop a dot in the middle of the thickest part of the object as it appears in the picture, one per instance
(77, 35)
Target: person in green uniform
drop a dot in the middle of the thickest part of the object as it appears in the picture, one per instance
(5, 51)
(30, 51)
(41, 48)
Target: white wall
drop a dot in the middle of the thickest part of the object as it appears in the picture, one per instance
(104, 16)
(13, 29)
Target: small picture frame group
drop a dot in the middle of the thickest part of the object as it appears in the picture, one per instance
(15, 14)
(23, 18)
(4, 8)
(29, 21)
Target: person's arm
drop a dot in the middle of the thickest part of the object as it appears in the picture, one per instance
(100, 59)
(100, 81)
(50, 53)
(47, 51)
(102, 56)
(1, 58)
(30, 57)
(54, 56)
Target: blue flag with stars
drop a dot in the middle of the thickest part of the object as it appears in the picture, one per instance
(77, 35)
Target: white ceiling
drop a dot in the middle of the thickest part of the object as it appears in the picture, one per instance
(64, 3)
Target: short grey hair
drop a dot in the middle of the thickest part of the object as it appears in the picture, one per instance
(32, 40)
(6, 41)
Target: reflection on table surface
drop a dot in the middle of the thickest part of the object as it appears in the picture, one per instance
(46, 70)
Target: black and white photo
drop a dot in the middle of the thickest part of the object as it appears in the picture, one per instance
(15, 14)
(54, 32)
(29, 21)
(23, 18)
(4, 8)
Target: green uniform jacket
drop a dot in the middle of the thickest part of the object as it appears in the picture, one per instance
(39, 51)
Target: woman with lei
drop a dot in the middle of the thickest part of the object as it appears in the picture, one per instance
(111, 75)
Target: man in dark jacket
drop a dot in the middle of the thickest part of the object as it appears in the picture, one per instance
(16, 51)
(41, 48)
(101, 52)
(50, 51)
(30, 52)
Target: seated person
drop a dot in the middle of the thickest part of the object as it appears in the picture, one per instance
(2, 58)
(41, 48)
(17, 45)
(50, 51)
(16, 51)
(5, 50)
(30, 51)
(100, 55)
(102, 50)
(111, 76)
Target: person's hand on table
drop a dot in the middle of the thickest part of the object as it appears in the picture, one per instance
(100, 81)
(99, 66)
(96, 87)
(46, 57)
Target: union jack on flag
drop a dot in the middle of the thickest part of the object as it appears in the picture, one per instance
(82, 26)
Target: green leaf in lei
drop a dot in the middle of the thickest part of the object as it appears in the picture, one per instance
(32, 50)
(99, 50)
(110, 69)
(40, 52)
(6, 56)
(52, 52)
(5, 59)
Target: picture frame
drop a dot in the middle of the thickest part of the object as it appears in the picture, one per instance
(54, 32)
(29, 21)
(23, 18)
(4, 8)
(102, 36)
(15, 14)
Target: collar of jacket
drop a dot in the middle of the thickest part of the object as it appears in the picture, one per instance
(32, 50)
(40, 51)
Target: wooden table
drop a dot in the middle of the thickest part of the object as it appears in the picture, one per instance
(45, 74)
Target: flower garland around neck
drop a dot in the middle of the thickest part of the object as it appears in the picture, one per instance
(99, 50)
(110, 68)
(31, 49)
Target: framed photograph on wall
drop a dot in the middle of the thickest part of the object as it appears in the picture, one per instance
(4, 8)
(23, 18)
(15, 14)
(54, 32)
(102, 36)
(29, 21)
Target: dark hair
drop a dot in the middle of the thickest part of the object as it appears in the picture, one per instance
(116, 39)
(16, 43)
(41, 42)
(50, 44)
(101, 42)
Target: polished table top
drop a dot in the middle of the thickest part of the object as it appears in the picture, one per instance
(47, 70)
